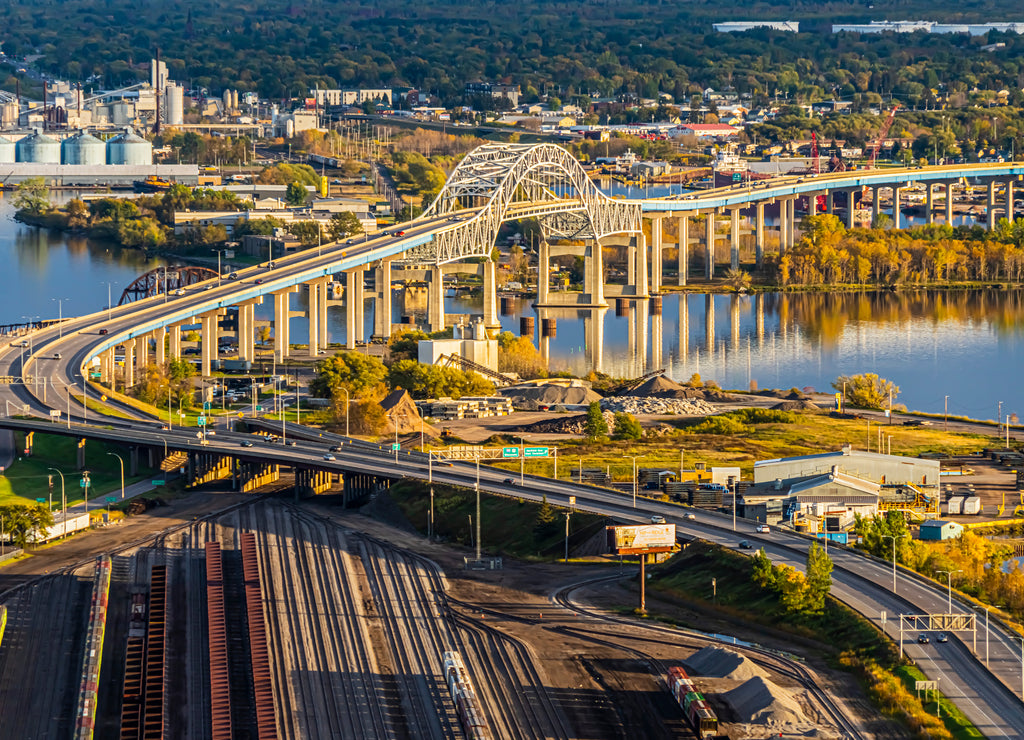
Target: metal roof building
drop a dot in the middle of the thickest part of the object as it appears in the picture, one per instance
(870, 466)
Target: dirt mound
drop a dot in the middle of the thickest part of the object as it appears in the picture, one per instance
(654, 386)
(567, 424)
(761, 702)
(531, 398)
(721, 662)
(802, 405)
(719, 396)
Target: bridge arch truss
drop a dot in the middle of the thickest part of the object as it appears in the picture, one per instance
(164, 280)
(515, 181)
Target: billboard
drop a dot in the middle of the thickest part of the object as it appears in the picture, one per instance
(627, 540)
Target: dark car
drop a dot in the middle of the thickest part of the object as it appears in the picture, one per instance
(942, 637)
(104, 331)
(246, 443)
(259, 281)
(336, 448)
(745, 545)
(923, 638)
(509, 481)
(291, 443)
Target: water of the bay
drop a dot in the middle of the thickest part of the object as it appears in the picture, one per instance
(967, 345)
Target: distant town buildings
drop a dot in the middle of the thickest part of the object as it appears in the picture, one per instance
(974, 29)
(494, 90)
(738, 26)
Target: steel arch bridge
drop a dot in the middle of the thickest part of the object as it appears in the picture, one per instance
(164, 280)
(507, 182)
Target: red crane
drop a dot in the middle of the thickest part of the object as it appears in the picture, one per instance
(881, 136)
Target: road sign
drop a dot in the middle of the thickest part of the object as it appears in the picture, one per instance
(206, 405)
(536, 451)
(40, 500)
(82, 482)
(395, 446)
(926, 685)
(201, 421)
(111, 499)
(55, 413)
(259, 408)
(572, 501)
(510, 452)
(157, 482)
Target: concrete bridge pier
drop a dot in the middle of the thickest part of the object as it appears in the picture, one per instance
(791, 223)
(990, 209)
(640, 252)
(812, 204)
(709, 323)
(1009, 200)
(107, 367)
(593, 273)
(357, 487)
(830, 205)
(929, 203)
(248, 476)
(282, 321)
(759, 233)
(435, 300)
(544, 272)
(851, 208)
(142, 351)
(382, 301)
(897, 193)
(490, 284)
(175, 341)
(876, 208)
(247, 330)
(209, 346)
(311, 482)
(783, 217)
(129, 364)
(734, 239)
(313, 298)
(160, 340)
(949, 203)
(205, 467)
(684, 248)
(656, 254)
(709, 245)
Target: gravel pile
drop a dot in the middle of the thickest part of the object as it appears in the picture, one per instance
(721, 662)
(568, 424)
(532, 397)
(796, 406)
(637, 405)
(759, 701)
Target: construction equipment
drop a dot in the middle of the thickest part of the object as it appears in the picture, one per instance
(881, 136)
(462, 363)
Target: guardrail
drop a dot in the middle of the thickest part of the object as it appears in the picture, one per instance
(88, 692)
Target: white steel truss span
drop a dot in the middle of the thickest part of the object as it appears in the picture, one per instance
(513, 181)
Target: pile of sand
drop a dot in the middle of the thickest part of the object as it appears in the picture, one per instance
(721, 662)
(761, 702)
(801, 405)
(532, 397)
(654, 386)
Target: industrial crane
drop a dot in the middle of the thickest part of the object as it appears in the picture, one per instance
(881, 136)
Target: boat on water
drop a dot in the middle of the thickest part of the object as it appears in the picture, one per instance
(152, 184)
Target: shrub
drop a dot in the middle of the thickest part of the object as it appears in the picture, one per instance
(720, 425)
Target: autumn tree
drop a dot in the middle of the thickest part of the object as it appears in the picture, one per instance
(518, 355)
(22, 522)
(343, 225)
(595, 426)
(626, 427)
(867, 390)
(819, 578)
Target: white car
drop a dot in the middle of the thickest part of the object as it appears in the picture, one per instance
(657, 519)
(763, 529)
(691, 517)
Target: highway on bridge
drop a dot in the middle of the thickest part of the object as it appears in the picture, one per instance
(60, 356)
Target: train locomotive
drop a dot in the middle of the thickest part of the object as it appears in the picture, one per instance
(700, 716)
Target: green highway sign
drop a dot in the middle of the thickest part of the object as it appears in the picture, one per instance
(395, 446)
(157, 482)
(40, 500)
(206, 405)
(536, 452)
(259, 408)
(111, 499)
(201, 421)
(510, 452)
(81, 483)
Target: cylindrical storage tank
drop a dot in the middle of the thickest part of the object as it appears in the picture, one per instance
(234, 100)
(175, 105)
(38, 148)
(526, 326)
(83, 148)
(121, 113)
(6, 151)
(9, 114)
(548, 328)
(508, 305)
(129, 148)
(289, 128)
(226, 99)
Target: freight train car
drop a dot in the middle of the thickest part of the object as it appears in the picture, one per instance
(471, 716)
(701, 717)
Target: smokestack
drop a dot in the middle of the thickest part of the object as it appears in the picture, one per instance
(156, 128)
(79, 103)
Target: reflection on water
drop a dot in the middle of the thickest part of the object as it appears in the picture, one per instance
(967, 344)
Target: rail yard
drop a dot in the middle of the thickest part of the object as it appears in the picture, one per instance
(276, 620)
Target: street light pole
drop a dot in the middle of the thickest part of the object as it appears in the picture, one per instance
(893, 538)
(63, 504)
(346, 409)
(945, 414)
(121, 461)
(949, 588)
(478, 510)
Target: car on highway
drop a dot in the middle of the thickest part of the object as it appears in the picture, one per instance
(923, 638)
(232, 276)
(329, 456)
(270, 265)
(246, 443)
(179, 291)
(509, 481)
(104, 332)
(691, 517)
(657, 519)
(763, 529)
(291, 443)
(745, 545)
(942, 637)
(336, 448)
(56, 355)
(259, 281)
(399, 233)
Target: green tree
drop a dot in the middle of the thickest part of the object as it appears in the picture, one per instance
(22, 522)
(627, 427)
(762, 572)
(433, 381)
(595, 425)
(792, 588)
(296, 194)
(360, 374)
(343, 225)
(867, 390)
(307, 232)
(32, 197)
(819, 578)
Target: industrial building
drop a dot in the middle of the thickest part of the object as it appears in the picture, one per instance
(469, 342)
(870, 466)
(739, 26)
(939, 529)
(973, 29)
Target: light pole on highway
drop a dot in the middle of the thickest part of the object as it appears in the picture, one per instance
(430, 482)
(478, 509)
(633, 458)
(343, 388)
(60, 316)
(120, 460)
(949, 588)
(893, 538)
(522, 460)
(218, 251)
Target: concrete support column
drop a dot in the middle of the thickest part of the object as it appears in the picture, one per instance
(129, 364)
(684, 327)
(783, 228)
(246, 332)
(593, 273)
(314, 294)
(709, 323)
(282, 315)
(734, 239)
(991, 208)
(812, 204)
(759, 233)
(656, 243)
(875, 205)
(830, 205)
(851, 208)
(209, 343)
(107, 366)
(161, 345)
(709, 245)
(929, 203)
(142, 351)
(896, 193)
(133, 461)
(631, 264)
(174, 345)
(791, 221)
(641, 265)
(684, 248)
(543, 271)
(1009, 201)
(491, 295)
(435, 301)
(382, 301)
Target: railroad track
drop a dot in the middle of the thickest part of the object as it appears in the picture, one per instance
(773, 660)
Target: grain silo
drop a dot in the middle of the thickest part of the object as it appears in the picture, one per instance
(8, 114)
(174, 105)
(226, 99)
(83, 148)
(38, 148)
(6, 151)
(129, 148)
